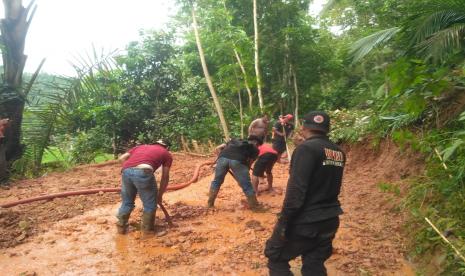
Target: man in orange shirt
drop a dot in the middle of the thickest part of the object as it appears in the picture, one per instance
(267, 157)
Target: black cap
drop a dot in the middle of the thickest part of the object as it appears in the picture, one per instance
(317, 120)
(255, 138)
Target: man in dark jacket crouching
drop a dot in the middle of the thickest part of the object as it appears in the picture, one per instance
(309, 218)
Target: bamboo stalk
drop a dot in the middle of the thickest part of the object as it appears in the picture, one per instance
(440, 158)
(445, 239)
(442, 161)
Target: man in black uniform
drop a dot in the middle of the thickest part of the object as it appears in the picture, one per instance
(236, 156)
(309, 217)
(281, 131)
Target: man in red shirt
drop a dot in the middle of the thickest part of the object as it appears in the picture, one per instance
(267, 157)
(139, 164)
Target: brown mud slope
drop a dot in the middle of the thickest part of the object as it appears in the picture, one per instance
(228, 240)
(36, 217)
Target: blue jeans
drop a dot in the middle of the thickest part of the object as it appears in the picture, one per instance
(135, 181)
(240, 171)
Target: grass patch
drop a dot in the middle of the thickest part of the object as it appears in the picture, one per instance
(56, 155)
(389, 188)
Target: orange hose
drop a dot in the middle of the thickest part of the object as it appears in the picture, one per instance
(194, 178)
(175, 187)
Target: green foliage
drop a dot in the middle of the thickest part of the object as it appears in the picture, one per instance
(350, 125)
(439, 196)
(44, 111)
(405, 138)
(60, 158)
(439, 27)
(365, 45)
(412, 86)
(389, 188)
(86, 146)
(434, 29)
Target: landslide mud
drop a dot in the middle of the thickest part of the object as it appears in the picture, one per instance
(36, 217)
(227, 240)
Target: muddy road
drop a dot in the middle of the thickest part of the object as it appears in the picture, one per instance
(77, 236)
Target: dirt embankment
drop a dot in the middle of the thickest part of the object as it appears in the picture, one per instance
(228, 240)
(370, 238)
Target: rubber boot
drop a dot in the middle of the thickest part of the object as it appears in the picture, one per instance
(122, 224)
(211, 197)
(254, 205)
(148, 222)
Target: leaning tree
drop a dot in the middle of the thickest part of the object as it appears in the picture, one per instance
(13, 91)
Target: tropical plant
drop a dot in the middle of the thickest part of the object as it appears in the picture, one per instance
(13, 93)
(39, 126)
(435, 29)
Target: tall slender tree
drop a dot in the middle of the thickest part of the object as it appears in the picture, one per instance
(257, 61)
(244, 74)
(238, 58)
(296, 90)
(216, 101)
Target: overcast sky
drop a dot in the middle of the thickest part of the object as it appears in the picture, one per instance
(63, 29)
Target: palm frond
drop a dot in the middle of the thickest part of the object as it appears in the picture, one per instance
(429, 24)
(38, 125)
(434, 6)
(444, 41)
(364, 46)
(34, 77)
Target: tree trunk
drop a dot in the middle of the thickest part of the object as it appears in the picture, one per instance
(257, 65)
(296, 90)
(241, 110)
(218, 107)
(114, 145)
(241, 113)
(246, 82)
(14, 29)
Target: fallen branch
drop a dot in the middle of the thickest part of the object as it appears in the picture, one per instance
(445, 239)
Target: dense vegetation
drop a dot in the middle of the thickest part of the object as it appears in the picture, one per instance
(387, 68)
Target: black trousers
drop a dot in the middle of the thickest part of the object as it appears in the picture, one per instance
(314, 242)
(279, 146)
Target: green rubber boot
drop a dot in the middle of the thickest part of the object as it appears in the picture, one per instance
(211, 197)
(148, 222)
(122, 224)
(254, 205)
